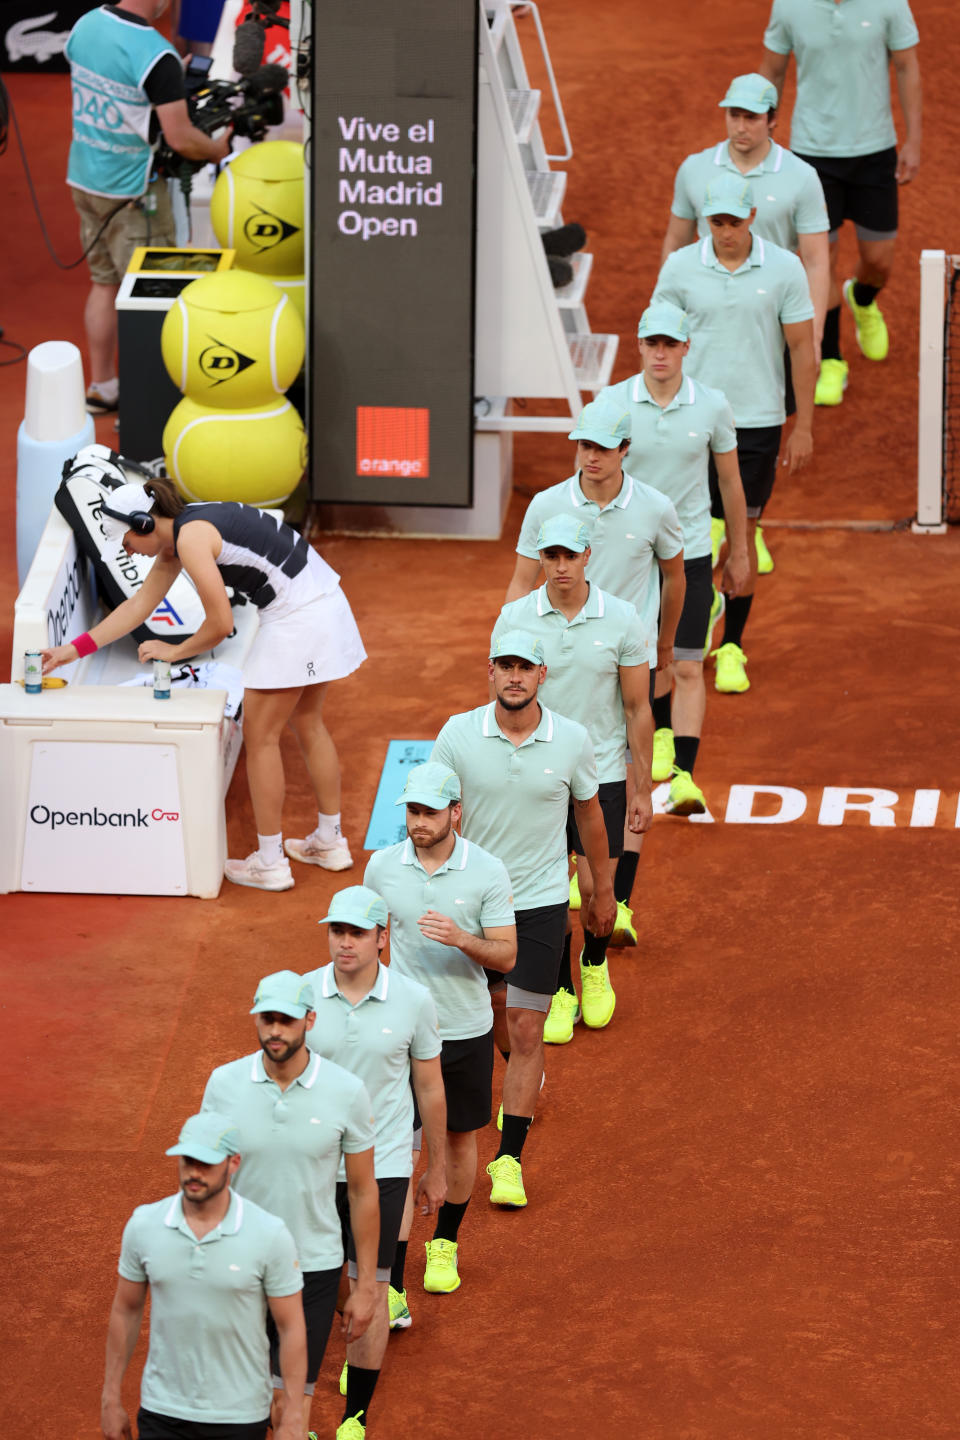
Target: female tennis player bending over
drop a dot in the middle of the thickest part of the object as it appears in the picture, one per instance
(307, 637)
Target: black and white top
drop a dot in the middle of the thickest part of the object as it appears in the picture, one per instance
(262, 558)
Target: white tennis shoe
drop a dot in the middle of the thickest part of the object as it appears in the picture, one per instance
(311, 852)
(260, 876)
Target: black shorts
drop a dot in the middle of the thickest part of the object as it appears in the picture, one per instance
(320, 1289)
(695, 616)
(167, 1427)
(393, 1194)
(789, 394)
(757, 451)
(862, 189)
(613, 802)
(540, 933)
(467, 1067)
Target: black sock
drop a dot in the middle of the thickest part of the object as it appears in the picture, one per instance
(449, 1217)
(594, 948)
(514, 1133)
(685, 749)
(625, 875)
(864, 294)
(399, 1261)
(830, 349)
(360, 1387)
(564, 978)
(661, 711)
(736, 618)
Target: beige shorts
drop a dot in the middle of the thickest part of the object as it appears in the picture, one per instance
(131, 226)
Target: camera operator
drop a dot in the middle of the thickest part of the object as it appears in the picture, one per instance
(128, 85)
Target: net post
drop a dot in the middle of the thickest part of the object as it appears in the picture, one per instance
(930, 519)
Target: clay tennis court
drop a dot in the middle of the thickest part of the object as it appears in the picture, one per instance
(742, 1220)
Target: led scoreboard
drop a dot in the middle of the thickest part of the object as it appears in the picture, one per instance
(391, 162)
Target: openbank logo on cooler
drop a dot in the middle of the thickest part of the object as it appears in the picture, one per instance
(393, 440)
(117, 819)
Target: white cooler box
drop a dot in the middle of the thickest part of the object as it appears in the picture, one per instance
(105, 789)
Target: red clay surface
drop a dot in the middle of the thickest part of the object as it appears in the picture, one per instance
(742, 1219)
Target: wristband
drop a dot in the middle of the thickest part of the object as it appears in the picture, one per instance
(84, 645)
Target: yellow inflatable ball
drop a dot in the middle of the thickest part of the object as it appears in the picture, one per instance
(254, 456)
(257, 208)
(232, 339)
(294, 287)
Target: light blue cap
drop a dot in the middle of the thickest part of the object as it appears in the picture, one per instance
(664, 318)
(751, 92)
(518, 645)
(566, 531)
(432, 785)
(207, 1137)
(284, 992)
(728, 194)
(603, 422)
(358, 905)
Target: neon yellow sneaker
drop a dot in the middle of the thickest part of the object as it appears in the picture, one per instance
(765, 564)
(717, 610)
(662, 766)
(731, 676)
(575, 891)
(564, 1014)
(872, 336)
(343, 1379)
(831, 382)
(507, 1177)
(351, 1429)
(718, 533)
(597, 1001)
(400, 1317)
(686, 797)
(624, 934)
(441, 1277)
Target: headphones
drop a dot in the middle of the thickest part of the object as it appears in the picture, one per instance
(138, 520)
(141, 522)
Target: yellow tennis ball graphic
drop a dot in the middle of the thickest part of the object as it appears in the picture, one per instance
(257, 208)
(232, 339)
(254, 456)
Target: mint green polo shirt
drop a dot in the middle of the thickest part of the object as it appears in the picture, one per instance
(671, 447)
(293, 1140)
(786, 191)
(516, 797)
(473, 888)
(583, 658)
(843, 70)
(630, 534)
(736, 322)
(208, 1358)
(376, 1039)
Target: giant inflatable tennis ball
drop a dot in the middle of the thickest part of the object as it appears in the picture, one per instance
(257, 208)
(232, 339)
(254, 456)
(294, 287)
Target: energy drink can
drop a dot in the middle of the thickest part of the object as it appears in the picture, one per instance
(161, 679)
(33, 672)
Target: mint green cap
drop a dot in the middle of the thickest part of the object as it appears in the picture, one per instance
(285, 992)
(207, 1137)
(565, 530)
(358, 905)
(728, 194)
(603, 422)
(432, 785)
(664, 318)
(519, 645)
(750, 92)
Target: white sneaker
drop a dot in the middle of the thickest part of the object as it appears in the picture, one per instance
(254, 872)
(311, 852)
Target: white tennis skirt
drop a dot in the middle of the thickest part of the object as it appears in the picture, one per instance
(310, 645)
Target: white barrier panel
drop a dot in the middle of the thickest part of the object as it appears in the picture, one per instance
(109, 791)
